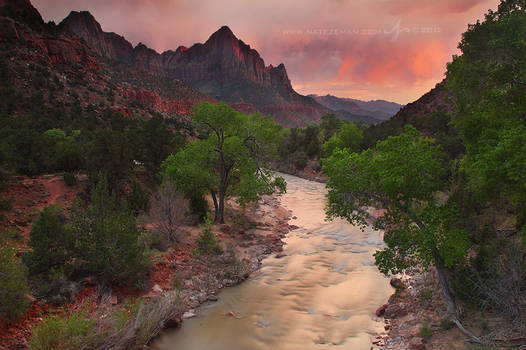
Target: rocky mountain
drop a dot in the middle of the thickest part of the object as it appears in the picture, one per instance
(49, 67)
(434, 100)
(223, 67)
(369, 111)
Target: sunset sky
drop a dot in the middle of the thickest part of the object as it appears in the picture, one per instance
(368, 49)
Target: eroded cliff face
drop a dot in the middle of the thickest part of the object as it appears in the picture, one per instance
(70, 69)
(223, 67)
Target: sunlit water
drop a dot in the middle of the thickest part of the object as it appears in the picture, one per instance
(322, 294)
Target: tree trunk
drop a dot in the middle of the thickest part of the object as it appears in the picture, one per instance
(219, 219)
(216, 206)
(446, 290)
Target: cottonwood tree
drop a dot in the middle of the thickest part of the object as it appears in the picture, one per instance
(489, 85)
(403, 176)
(230, 159)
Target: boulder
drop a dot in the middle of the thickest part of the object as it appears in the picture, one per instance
(397, 283)
(394, 311)
(381, 310)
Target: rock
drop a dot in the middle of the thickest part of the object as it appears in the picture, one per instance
(157, 289)
(174, 322)
(212, 298)
(280, 255)
(114, 300)
(189, 314)
(294, 217)
(293, 227)
(381, 310)
(417, 343)
(397, 283)
(394, 311)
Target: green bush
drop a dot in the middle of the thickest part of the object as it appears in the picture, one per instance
(62, 332)
(138, 200)
(207, 242)
(49, 242)
(198, 206)
(13, 284)
(69, 179)
(107, 241)
(299, 159)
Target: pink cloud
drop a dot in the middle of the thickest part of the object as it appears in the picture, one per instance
(358, 62)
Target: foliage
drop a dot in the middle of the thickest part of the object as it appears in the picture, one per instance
(107, 239)
(155, 142)
(69, 179)
(489, 83)
(299, 159)
(63, 152)
(131, 325)
(230, 159)
(138, 200)
(62, 331)
(110, 153)
(350, 137)
(402, 175)
(207, 243)
(50, 242)
(330, 125)
(13, 284)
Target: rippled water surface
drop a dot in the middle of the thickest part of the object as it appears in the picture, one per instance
(322, 294)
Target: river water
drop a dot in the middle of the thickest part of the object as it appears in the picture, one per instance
(322, 294)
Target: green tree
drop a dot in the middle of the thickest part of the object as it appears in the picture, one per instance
(49, 242)
(107, 241)
(330, 125)
(350, 136)
(63, 152)
(13, 284)
(111, 154)
(489, 84)
(156, 142)
(231, 157)
(402, 175)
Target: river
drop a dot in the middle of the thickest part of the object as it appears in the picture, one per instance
(322, 294)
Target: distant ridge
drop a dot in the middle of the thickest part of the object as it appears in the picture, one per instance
(378, 110)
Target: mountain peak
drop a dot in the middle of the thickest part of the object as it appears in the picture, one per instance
(223, 33)
(84, 19)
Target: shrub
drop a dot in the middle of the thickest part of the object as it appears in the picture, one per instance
(138, 200)
(49, 242)
(129, 326)
(69, 179)
(299, 159)
(168, 213)
(198, 206)
(425, 332)
(13, 284)
(62, 332)
(107, 239)
(207, 242)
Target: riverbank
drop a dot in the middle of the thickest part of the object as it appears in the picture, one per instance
(249, 235)
(415, 319)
